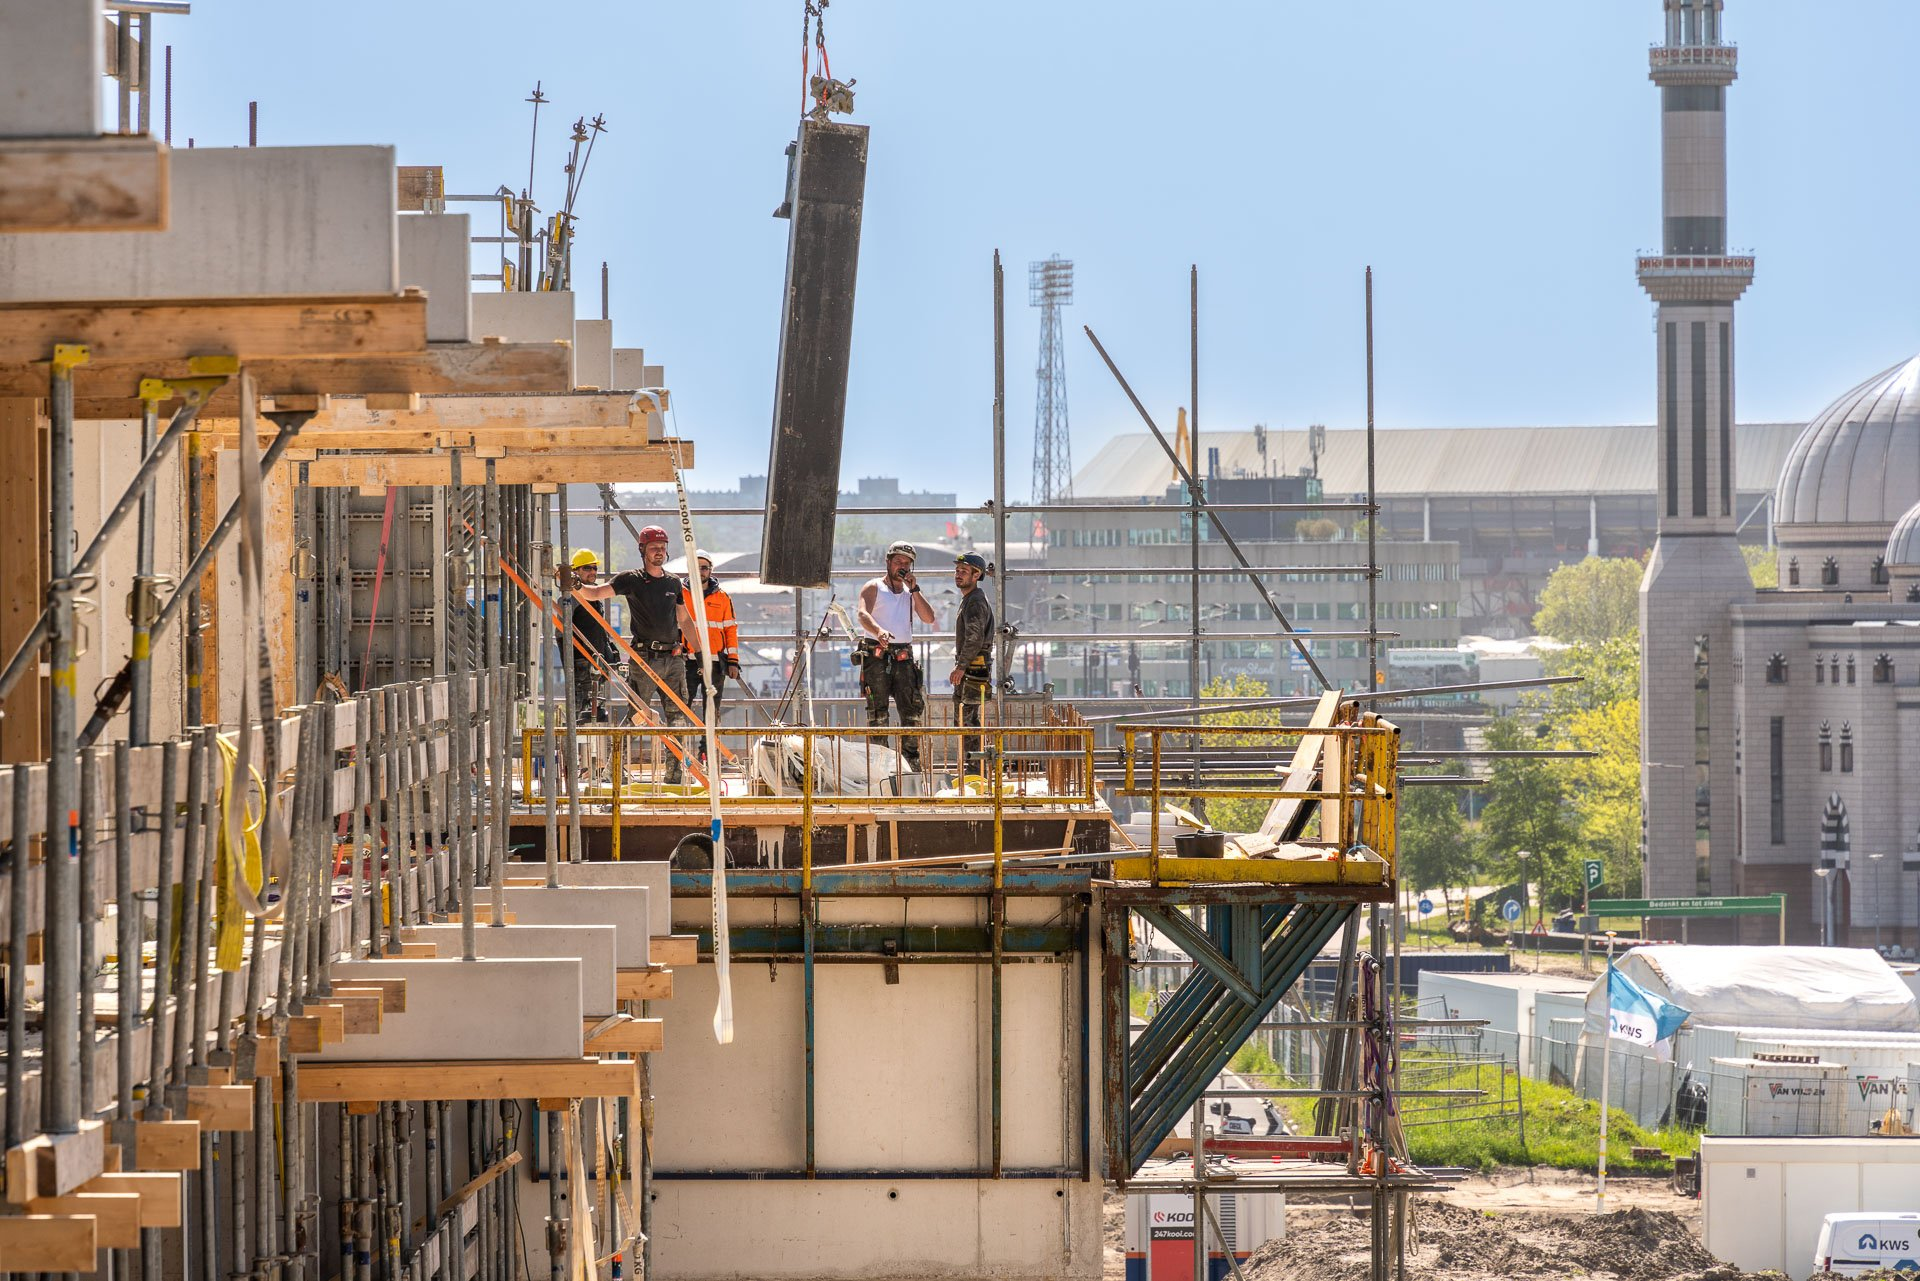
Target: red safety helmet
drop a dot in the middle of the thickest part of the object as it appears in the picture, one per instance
(652, 534)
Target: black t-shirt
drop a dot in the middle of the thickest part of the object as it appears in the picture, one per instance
(592, 634)
(652, 604)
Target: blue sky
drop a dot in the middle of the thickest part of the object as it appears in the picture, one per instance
(1496, 163)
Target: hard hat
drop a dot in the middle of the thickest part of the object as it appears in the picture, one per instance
(703, 555)
(652, 534)
(903, 549)
(974, 559)
(585, 559)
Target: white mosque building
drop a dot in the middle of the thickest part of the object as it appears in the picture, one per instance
(1780, 729)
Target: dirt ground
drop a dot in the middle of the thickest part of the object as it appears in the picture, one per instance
(1512, 1224)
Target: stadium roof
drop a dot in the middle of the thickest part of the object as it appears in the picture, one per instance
(1433, 462)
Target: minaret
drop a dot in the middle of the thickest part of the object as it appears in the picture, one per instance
(1696, 572)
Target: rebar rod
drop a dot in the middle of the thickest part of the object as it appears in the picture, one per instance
(392, 807)
(357, 901)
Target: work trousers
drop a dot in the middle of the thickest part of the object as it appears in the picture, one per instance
(885, 680)
(969, 696)
(672, 671)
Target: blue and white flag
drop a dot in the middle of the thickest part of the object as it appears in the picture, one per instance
(1637, 1015)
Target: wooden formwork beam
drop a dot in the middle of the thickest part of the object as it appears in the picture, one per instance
(348, 1082)
(83, 184)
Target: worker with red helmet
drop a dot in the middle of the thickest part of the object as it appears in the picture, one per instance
(663, 632)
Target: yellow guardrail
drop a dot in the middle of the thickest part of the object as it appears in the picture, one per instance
(1354, 757)
(1057, 771)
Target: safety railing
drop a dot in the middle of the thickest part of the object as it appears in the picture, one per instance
(1348, 769)
(1007, 767)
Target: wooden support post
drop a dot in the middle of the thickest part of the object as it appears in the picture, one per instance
(23, 513)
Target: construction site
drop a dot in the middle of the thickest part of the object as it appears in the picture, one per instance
(383, 904)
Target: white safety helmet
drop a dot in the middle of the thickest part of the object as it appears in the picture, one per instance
(903, 549)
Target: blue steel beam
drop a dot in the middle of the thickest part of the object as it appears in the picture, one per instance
(1156, 1102)
(1192, 940)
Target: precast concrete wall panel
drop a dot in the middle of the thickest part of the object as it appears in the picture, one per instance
(738, 1106)
(524, 316)
(656, 877)
(244, 222)
(433, 257)
(624, 908)
(490, 1008)
(51, 62)
(593, 353)
(591, 945)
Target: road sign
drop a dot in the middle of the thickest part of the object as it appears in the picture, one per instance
(1539, 927)
(1511, 909)
(1426, 907)
(1753, 905)
(1296, 661)
(1595, 870)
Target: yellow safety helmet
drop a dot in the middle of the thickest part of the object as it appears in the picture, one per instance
(585, 559)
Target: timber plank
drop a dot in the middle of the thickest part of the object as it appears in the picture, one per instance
(116, 1215)
(167, 1145)
(628, 1036)
(654, 983)
(83, 184)
(392, 992)
(69, 1160)
(221, 1107)
(159, 1195)
(251, 328)
(346, 1081)
(649, 463)
(48, 1243)
(107, 389)
(673, 949)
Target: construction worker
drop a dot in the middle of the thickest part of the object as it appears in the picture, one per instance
(588, 681)
(723, 639)
(972, 677)
(888, 670)
(662, 629)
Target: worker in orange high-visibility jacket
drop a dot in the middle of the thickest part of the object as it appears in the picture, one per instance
(723, 638)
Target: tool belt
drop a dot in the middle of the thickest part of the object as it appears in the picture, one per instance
(871, 648)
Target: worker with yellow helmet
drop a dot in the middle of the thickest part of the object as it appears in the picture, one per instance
(588, 684)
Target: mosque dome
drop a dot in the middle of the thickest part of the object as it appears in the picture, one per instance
(1858, 463)
(1903, 545)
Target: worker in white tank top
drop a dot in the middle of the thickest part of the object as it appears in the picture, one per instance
(889, 673)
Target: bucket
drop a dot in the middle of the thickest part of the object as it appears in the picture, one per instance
(1209, 844)
(1183, 843)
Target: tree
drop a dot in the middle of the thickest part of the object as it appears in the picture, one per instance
(1437, 850)
(1605, 788)
(1763, 566)
(1529, 810)
(1608, 673)
(1244, 814)
(1591, 602)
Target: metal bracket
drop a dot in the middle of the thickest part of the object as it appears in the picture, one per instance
(68, 355)
(890, 969)
(143, 600)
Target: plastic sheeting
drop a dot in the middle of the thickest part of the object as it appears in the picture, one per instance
(1838, 988)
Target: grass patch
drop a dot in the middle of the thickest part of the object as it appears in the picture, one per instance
(1562, 1131)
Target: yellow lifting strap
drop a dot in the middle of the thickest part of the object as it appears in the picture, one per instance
(230, 917)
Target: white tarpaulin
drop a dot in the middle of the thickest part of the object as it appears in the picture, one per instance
(1839, 988)
(1805, 989)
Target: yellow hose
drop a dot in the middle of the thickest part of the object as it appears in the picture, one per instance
(230, 932)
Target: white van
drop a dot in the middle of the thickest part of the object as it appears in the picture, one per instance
(1853, 1244)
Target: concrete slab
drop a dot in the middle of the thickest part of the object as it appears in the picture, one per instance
(656, 876)
(51, 62)
(591, 945)
(629, 368)
(434, 256)
(524, 316)
(593, 353)
(625, 908)
(244, 222)
(492, 1008)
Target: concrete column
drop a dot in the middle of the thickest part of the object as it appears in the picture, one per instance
(1426, 520)
(1593, 525)
(51, 62)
